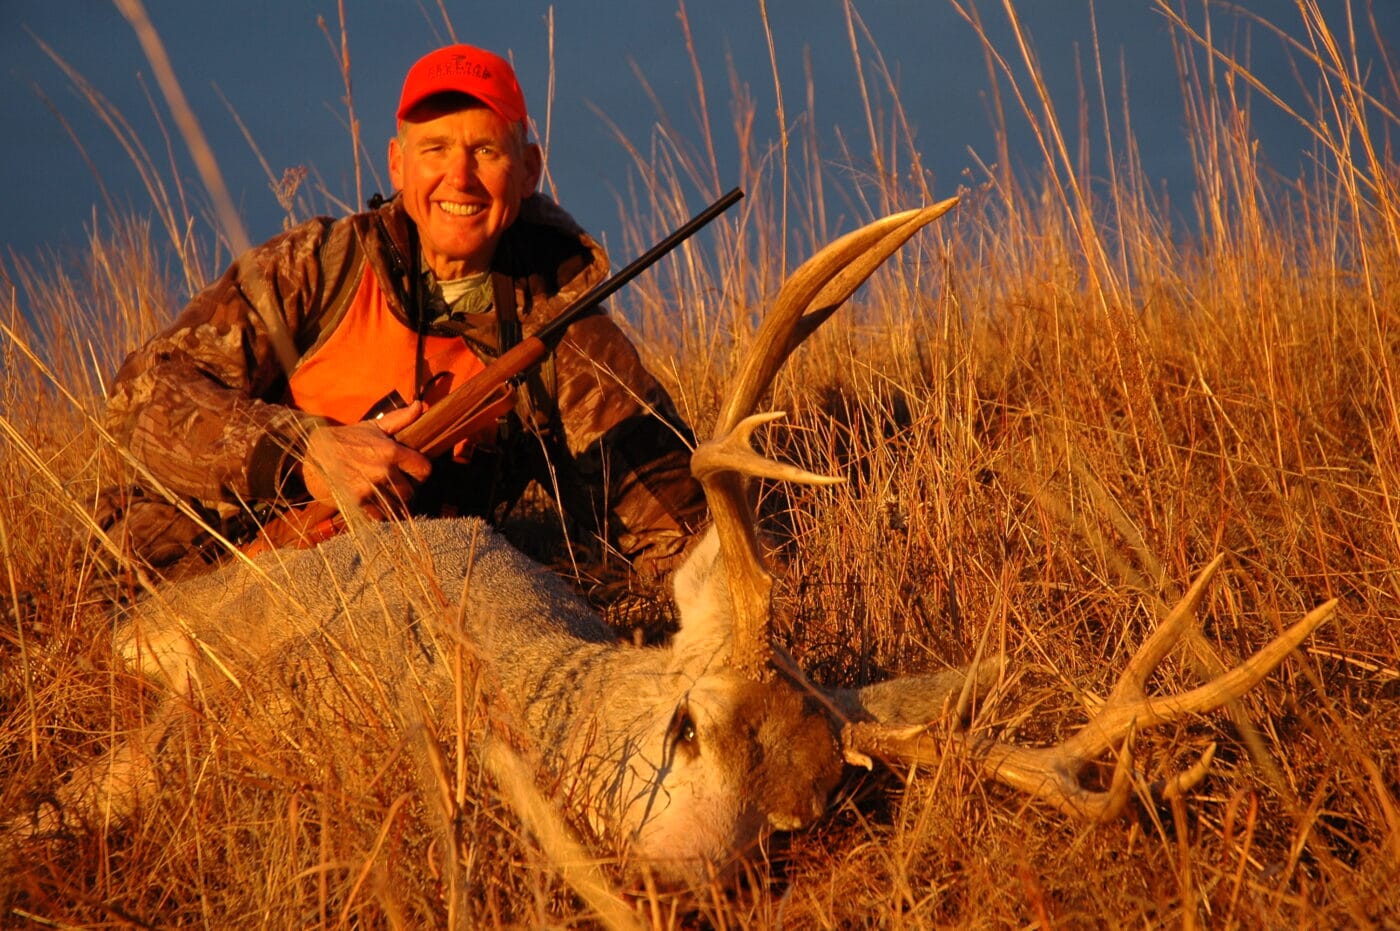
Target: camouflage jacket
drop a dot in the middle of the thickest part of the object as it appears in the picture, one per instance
(203, 405)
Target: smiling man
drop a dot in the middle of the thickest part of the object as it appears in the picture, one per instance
(379, 315)
(463, 170)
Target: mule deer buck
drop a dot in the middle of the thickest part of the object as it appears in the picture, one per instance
(677, 757)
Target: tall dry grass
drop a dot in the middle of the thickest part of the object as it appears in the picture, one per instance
(1052, 409)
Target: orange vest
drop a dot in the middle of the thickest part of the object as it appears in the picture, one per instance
(371, 355)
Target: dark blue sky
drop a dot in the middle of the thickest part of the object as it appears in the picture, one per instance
(276, 69)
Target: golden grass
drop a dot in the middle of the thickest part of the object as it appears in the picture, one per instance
(1052, 409)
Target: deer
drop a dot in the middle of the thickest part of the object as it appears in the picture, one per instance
(676, 758)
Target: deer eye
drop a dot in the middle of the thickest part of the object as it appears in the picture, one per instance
(682, 734)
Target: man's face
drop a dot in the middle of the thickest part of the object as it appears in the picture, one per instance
(463, 173)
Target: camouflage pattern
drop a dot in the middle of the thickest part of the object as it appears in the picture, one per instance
(202, 405)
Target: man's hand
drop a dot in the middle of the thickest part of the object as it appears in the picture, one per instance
(356, 462)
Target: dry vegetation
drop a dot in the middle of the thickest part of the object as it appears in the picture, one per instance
(1053, 409)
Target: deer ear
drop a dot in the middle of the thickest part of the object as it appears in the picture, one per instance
(702, 602)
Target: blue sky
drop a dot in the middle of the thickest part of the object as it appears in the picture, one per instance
(268, 62)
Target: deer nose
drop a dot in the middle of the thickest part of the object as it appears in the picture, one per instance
(797, 820)
(781, 821)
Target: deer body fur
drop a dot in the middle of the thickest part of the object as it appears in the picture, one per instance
(672, 759)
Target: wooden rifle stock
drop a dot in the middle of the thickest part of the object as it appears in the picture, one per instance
(452, 419)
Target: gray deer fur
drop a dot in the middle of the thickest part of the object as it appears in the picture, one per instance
(675, 762)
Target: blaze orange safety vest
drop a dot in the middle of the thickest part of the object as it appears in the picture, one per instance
(371, 355)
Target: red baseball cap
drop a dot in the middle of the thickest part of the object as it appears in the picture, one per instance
(464, 69)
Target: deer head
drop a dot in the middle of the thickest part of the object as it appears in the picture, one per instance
(750, 745)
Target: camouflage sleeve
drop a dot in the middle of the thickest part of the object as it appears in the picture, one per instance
(627, 439)
(197, 404)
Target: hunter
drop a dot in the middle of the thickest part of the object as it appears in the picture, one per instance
(380, 314)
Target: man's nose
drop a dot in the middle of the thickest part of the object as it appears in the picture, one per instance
(461, 167)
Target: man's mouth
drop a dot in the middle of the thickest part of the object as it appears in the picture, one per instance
(460, 210)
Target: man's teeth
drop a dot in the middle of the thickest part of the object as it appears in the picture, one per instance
(460, 210)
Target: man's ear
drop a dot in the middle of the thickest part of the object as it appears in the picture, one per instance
(395, 163)
(534, 167)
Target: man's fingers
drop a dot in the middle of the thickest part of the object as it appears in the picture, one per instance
(392, 422)
(352, 461)
(414, 464)
(410, 462)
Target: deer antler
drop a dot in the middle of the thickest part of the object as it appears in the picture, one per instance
(1052, 773)
(809, 296)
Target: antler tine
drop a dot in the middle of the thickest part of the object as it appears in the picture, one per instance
(809, 296)
(1052, 773)
(1133, 682)
(1129, 706)
(840, 287)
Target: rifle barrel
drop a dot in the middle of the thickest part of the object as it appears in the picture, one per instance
(552, 332)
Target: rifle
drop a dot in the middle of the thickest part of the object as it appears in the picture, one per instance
(452, 419)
